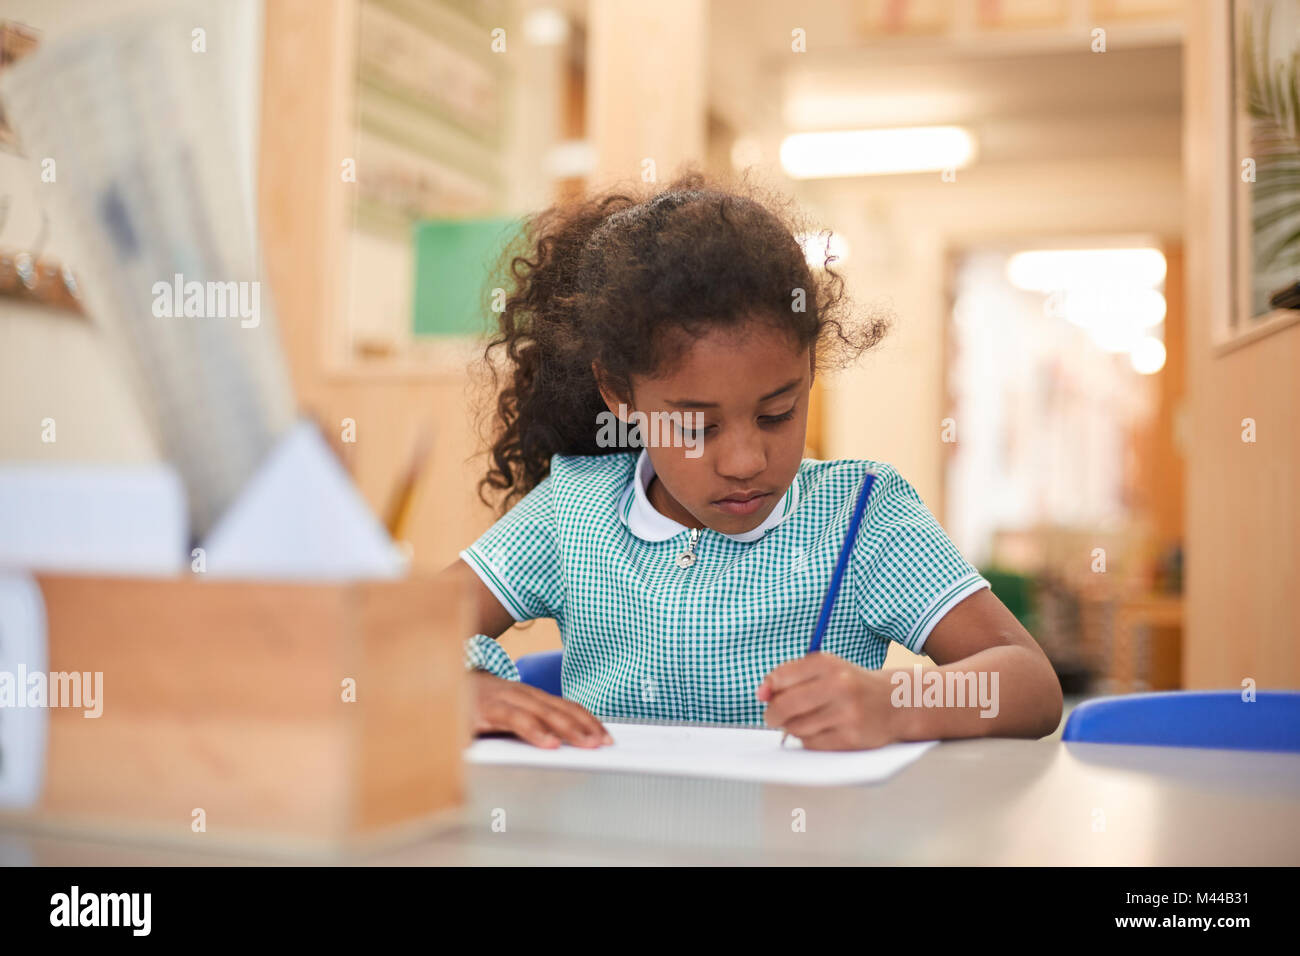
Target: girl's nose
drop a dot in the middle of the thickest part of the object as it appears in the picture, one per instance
(740, 457)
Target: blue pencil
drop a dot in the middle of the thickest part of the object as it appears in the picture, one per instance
(832, 592)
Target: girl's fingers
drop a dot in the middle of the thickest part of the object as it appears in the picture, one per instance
(568, 720)
(797, 671)
(814, 722)
(539, 718)
(572, 718)
(798, 700)
(570, 726)
(529, 728)
(587, 719)
(826, 740)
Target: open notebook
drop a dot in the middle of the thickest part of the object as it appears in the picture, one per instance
(729, 753)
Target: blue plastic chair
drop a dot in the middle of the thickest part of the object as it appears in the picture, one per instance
(1215, 719)
(541, 670)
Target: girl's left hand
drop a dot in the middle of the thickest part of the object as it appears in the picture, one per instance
(830, 703)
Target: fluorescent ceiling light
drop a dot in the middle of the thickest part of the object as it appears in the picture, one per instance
(571, 158)
(1137, 308)
(808, 105)
(546, 26)
(875, 152)
(1114, 334)
(1051, 270)
(1148, 355)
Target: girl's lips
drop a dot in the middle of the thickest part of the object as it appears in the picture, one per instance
(741, 508)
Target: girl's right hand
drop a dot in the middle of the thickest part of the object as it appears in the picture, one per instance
(541, 719)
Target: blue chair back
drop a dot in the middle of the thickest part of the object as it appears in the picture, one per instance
(1214, 719)
(542, 670)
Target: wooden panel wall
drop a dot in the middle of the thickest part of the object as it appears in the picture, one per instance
(304, 210)
(1243, 523)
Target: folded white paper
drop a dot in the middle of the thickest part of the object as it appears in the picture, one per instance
(300, 517)
(727, 753)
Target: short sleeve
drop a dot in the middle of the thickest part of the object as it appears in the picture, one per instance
(907, 573)
(519, 560)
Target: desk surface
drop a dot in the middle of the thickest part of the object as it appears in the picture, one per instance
(963, 802)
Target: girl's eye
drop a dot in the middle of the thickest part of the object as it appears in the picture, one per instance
(692, 432)
(777, 419)
(762, 419)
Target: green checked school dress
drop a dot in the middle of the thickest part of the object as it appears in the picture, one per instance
(659, 621)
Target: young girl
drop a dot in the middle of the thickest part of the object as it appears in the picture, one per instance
(687, 576)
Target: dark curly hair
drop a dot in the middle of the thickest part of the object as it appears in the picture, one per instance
(604, 279)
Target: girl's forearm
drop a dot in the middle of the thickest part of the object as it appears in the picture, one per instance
(1004, 691)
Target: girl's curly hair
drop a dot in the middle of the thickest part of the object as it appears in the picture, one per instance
(604, 279)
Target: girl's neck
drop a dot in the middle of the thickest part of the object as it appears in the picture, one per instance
(667, 505)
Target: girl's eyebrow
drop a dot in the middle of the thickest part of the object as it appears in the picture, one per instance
(691, 403)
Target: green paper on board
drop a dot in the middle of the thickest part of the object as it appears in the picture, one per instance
(454, 260)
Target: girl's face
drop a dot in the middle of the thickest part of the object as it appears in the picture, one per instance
(733, 458)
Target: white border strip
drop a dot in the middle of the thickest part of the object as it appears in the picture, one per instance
(940, 606)
(509, 600)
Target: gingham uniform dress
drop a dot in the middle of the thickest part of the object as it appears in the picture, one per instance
(662, 622)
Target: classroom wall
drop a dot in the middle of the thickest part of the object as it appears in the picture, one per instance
(647, 82)
(305, 209)
(1242, 516)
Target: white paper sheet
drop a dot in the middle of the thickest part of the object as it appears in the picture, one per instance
(23, 730)
(93, 519)
(728, 753)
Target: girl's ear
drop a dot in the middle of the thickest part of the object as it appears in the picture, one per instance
(613, 401)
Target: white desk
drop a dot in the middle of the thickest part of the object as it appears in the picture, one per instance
(963, 802)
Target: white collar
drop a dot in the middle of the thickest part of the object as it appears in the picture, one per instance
(646, 522)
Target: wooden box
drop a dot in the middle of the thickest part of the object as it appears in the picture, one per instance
(226, 704)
